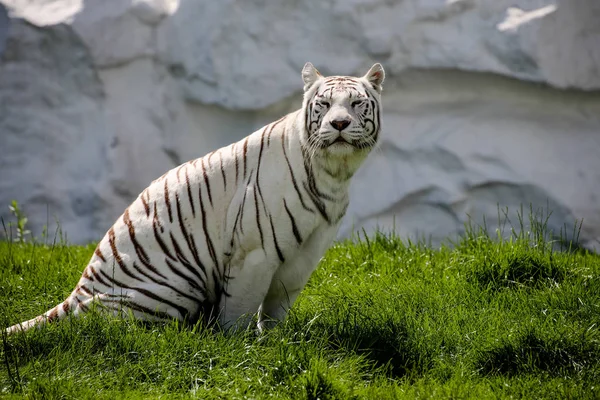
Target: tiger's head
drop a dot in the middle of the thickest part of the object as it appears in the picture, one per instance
(342, 113)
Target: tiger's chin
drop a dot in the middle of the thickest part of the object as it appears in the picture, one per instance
(343, 149)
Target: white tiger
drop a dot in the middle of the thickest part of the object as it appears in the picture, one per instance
(240, 230)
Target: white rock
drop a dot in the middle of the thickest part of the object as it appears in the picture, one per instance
(516, 17)
(134, 87)
(44, 12)
(458, 144)
(229, 53)
(153, 11)
(114, 32)
(569, 45)
(54, 132)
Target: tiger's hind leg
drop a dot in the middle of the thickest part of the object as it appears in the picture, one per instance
(148, 302)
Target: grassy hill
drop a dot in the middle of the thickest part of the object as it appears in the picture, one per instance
(379, 319)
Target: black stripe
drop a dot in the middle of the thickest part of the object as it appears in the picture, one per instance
(244, 206)
(86, 290)
(156, 225)
(307, 116)
(183, 260)
(293, 177)
(375, 106)
(188, 238)
(52, 314)
(145, 202)
(86, 274)
(312, 184)
(262, 242)
(237, 167)
(116, 255)
(80, 305)
(134, 306)
(317, 202)
(165, 284)
(207, 183)
(182, 310)
(168, 201)
(223, 172)
(98, 277)
(177, 173)
(244, 154)
(98, 253)
(139, 270)
(237, 218)
(188, 279)
(189, 191)
(378, 123)
(257, 183)
(294, 226)
(210, 156)
(310, 187)
(139, 250)
(209, 242)
(279, 253)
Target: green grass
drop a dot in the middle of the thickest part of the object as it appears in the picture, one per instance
(379, 319)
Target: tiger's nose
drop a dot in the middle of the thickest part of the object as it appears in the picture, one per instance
(340, 124)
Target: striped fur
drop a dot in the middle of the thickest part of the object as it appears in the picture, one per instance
(240, 230)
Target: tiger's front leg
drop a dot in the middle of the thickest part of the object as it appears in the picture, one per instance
(291, 277)
(246, 290)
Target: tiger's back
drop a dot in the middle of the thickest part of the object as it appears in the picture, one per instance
(235, 232)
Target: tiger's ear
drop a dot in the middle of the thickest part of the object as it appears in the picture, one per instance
(309, 75)
(375, 76)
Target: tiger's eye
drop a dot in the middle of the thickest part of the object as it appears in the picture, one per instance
(323, 103)
(357, 103)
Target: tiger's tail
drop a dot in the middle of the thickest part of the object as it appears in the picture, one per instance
(56, 313)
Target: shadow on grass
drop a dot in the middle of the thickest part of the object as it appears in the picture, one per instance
(384, 340)
(297, 366)
(319, 384)
(525, 269)
(95, 332)
(533, 354)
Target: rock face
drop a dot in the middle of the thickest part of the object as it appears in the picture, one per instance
(472, 144)
(487, 104)
(54, 130)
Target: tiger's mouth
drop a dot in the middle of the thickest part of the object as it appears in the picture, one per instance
(340, 139)
(341, 142)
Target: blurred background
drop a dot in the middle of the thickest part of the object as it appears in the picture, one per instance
(488, 105)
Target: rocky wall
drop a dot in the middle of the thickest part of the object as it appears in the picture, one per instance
(487, 104)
